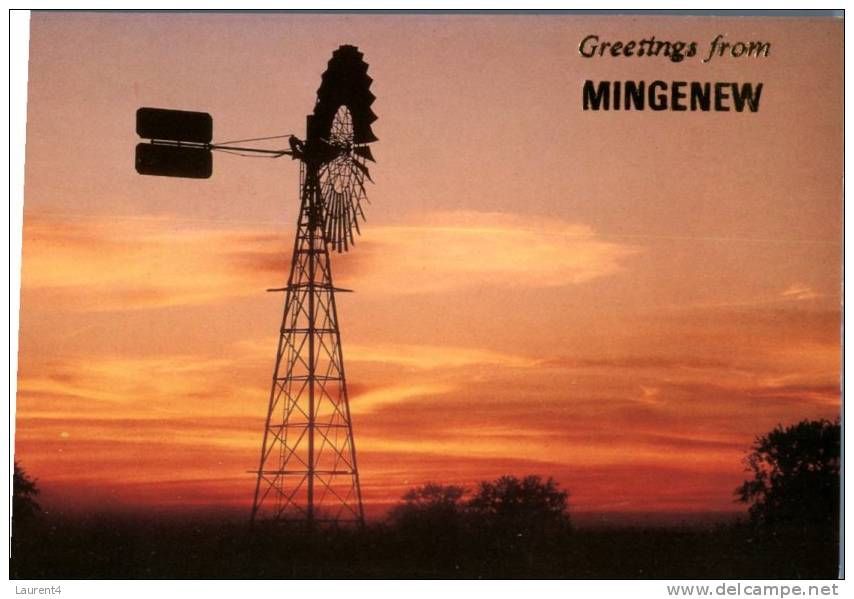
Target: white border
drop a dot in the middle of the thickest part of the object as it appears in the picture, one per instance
(18, 44)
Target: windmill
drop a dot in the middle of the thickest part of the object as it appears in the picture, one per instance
(307, 469)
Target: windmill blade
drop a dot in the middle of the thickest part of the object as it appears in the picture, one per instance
(339, 234)
(363, 169)
(363, 112)
(348, 233)
(364, 152)
(328, 215)
(363, 134)
(357, 210)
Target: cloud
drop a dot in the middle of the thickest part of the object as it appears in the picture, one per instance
(129, 263)
(765, 301)
(126, 263)
(646, 362)
(800, 292)
(451, 250)
(429, 357)
(131, 388)
(373, 399)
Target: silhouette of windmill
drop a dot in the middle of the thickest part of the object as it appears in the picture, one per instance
(308, 466)
(307, 471)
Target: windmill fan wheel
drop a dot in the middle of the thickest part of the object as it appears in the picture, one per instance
(338, 134)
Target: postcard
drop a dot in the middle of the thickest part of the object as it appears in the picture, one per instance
(384, 295)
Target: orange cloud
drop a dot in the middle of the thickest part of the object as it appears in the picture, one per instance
(426, 357)
(131, 263)
(449, 250)
(800, 292)
(378, 398)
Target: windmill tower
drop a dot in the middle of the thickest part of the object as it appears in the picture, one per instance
(308, 471)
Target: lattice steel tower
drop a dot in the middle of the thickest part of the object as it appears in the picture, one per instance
(308, 471)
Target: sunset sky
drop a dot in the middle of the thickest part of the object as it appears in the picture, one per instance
(620, 300)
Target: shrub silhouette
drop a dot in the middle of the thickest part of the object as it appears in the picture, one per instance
(429, 505)
(429, 521)
(25, 511)
(520, 523)
(24, 491)
(795, 476)
(521, 503)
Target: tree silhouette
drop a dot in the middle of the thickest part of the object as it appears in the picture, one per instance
(24, 512)
(24, 490)
(795, 476)
(510, 525)
(522, 512)
(430, 504)
(430, 521)
(511, 499)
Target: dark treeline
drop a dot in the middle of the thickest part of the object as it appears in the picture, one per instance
(112, 548)
(507, 528)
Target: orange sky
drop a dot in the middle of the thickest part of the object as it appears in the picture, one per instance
(620, 300)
